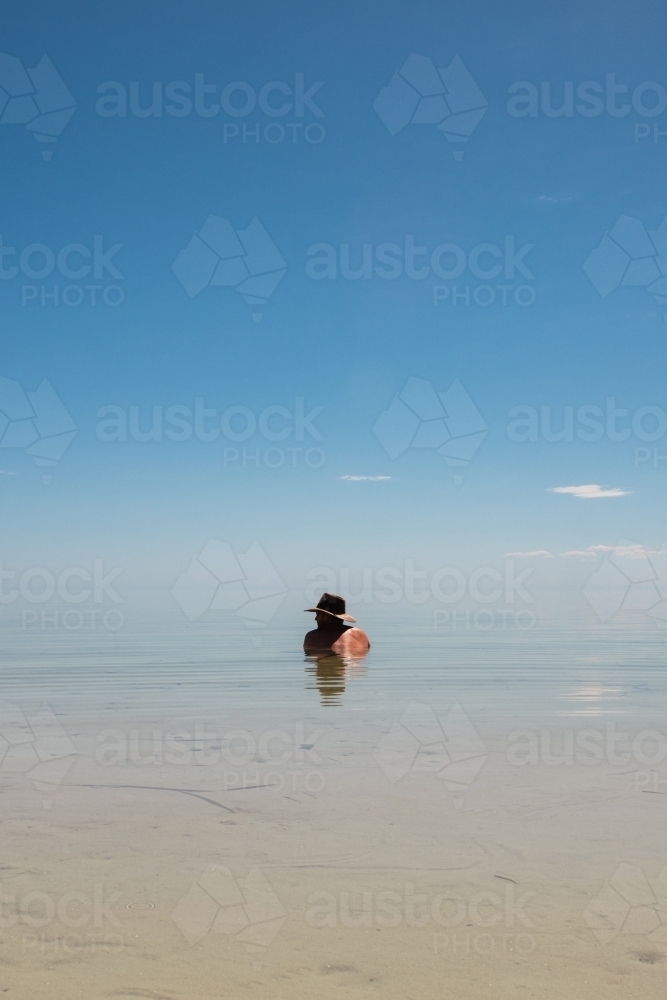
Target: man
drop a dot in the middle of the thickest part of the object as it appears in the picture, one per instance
(332, 632)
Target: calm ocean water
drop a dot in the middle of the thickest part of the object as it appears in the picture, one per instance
(151, 660)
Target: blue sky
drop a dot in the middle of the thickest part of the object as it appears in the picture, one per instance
(347, 346)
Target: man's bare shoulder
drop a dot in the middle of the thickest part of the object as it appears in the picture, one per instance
(352, 641)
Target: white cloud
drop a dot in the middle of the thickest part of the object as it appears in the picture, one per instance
(529, 555)
(626, 551)
(591, 492)
(359, 479)
(555, 199)
(5, 472)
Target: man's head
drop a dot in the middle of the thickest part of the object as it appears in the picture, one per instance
(330, 611)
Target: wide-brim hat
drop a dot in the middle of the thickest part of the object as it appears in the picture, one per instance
(332, 605)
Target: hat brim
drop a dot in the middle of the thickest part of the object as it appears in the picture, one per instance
(343, 618)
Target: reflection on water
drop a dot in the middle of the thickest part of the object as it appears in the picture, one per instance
(328, 672)
(159, 662)
(594, 699)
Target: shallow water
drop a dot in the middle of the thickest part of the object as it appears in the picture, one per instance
(204, 768)
(148, 650)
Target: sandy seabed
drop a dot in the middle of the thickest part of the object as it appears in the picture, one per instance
(159, 883)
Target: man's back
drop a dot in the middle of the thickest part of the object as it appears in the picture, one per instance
(342, 639)
(332, 632)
